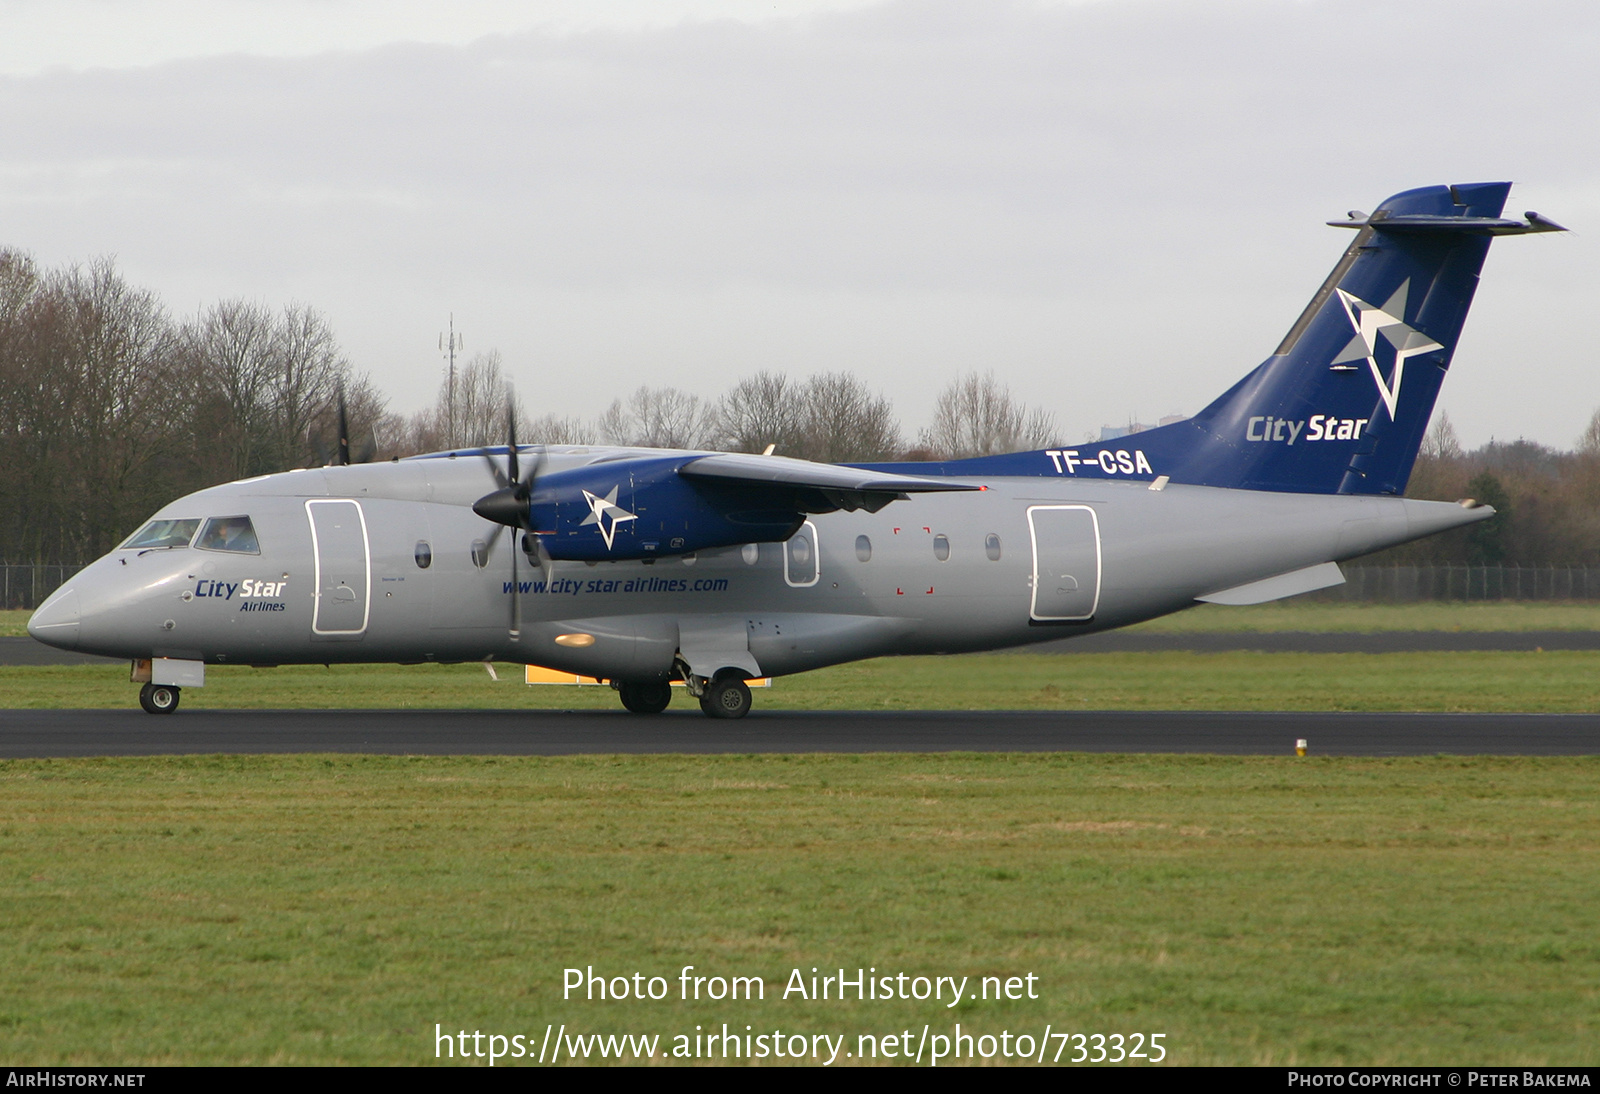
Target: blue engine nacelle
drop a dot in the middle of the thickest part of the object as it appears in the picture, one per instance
(642, 508)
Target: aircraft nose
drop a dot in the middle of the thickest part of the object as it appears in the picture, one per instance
(56, 621)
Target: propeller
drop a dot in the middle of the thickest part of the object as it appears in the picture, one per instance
(508, 508)
(341, 456)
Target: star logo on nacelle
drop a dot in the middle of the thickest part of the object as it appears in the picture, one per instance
(1371, 323)
(606, 513)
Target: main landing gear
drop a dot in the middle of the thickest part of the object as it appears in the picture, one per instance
(727, 696)
(645, 697)
(158, 698)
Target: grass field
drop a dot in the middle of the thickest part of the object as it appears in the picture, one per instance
(1255, 911)
(1551, 681)
(331, 909)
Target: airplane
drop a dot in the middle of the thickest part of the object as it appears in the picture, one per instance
(642, 567)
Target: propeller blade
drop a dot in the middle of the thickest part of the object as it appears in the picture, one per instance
(545, 563)
(499, 475)
(519, 491)
(508, 508)
(494, 538)
(342, 456)
(516, 596)
(526, 489)
(511, 435)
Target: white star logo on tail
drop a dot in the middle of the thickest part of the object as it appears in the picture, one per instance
(1370, 322)
(600, 509)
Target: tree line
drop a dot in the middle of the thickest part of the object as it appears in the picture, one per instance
(110, 407)
(1547, 501)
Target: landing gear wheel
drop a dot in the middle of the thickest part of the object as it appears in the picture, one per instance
(158, 698)
(728, 697)
(646, 696)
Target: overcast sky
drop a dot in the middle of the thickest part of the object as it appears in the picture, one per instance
(1116, 205)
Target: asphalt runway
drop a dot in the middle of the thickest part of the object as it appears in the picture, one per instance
(42, 733)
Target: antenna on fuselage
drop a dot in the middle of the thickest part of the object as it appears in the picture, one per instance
(448, 344)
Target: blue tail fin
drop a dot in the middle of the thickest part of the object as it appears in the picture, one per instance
(1342, 404)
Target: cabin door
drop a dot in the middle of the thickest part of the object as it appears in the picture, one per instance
(342, 561)
(1066, 563)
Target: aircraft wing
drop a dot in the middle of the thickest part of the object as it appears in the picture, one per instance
(745, 469)
(833, 486)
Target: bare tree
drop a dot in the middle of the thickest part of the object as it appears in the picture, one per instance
(1589, 440)
(232, 350)
(374, 432)
(1441, 442)
(661, 417)
(555, 429)
(480, 408)
(19, 279)
(95, 403)
(310, 369)
(846, 422)
(977, 416)
(760, 410)
(263, 383)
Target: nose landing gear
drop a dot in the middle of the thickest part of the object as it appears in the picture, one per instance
(158, 698)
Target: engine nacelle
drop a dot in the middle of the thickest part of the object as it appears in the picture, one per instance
(642, 508)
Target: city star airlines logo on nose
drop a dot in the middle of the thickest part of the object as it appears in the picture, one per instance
(1371, 323)
(606, 513)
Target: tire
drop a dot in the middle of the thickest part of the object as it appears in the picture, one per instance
(645, 696)
(728, 697)
(158, 698)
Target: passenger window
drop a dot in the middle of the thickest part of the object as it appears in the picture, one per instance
(941, 547)
(991, 547)
(235, 534)
(480, 553)
(863, 549)
(750, 552)
(423, 555)
(163, 533)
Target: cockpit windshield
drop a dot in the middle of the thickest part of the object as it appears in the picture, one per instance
(229, 534)
(163, 533)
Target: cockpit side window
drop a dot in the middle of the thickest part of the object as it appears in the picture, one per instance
(235, 534)
(162, 533)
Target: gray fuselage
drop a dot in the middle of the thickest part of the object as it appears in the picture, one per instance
(339, 575)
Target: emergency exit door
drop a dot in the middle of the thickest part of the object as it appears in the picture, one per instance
(1066, 563)
(342, 566)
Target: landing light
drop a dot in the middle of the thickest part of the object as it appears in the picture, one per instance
(576, 641)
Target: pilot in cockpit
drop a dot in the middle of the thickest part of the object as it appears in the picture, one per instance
(229, 534)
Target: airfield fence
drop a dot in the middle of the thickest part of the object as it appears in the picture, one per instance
(1405, 584)
(25, 585)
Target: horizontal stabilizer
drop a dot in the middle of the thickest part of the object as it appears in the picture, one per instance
(1425, 222)
(1322, 576)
